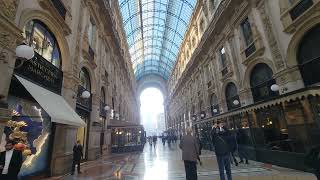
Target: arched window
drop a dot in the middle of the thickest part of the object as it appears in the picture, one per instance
(38, 36)
(261, 81)
(85, 79)
(232, 96)
(309, 56)
(214, 105)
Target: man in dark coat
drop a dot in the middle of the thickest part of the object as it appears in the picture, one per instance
(77, 155)
(242, 140)
(10, 162)
(190, 154)
(221, 137)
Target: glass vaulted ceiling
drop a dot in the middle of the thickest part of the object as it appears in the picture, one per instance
(155, 30)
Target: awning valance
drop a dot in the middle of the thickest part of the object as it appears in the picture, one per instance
(122, 124)
(55, 105)
(294, 95)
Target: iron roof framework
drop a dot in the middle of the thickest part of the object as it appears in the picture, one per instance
(155, 31)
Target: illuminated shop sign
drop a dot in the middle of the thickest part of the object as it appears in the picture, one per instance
(41, 72)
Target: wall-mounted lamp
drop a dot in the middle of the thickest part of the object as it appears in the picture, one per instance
(215, 110)
(275, 87)
(24, 53)
(85, 94)
(106, 108)
(236, 102)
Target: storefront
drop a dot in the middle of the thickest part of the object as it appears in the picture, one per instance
(36, 103)
(126, 137)
(83, 108)
(279, 130)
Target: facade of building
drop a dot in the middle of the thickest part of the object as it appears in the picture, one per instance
(78, 83)
(161, 126)
(253, 65)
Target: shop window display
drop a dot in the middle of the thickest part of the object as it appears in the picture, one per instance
(274, 129)
(38, 36)
(127, 139)
(31, 128)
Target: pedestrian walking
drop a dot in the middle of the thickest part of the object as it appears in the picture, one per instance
(233, 148)
(242, 139)
(220, 138)
(77, 155)
(10, 162)
(190, 154)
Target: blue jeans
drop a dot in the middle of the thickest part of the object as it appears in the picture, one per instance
(224, 164)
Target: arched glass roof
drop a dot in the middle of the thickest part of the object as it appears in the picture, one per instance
(155, 30)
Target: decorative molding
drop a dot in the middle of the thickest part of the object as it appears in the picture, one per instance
(8, 8)
(290, 25)
(268, 27)
(47, 5)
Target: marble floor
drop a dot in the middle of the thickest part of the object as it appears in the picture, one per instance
(164, 163)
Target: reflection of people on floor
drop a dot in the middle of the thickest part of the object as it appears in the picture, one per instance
(220, 139)
(10, 162)
(190, 154)
(154, 141)
(163, 140)
(77, 155)
(150, 141)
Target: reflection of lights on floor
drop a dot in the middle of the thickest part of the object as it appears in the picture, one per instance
(156, 169)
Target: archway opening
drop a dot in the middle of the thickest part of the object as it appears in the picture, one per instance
(152, 111)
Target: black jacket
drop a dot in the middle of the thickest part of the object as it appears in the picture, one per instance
(221, 141)
(77, 152)
(242, 137)
(15, 163)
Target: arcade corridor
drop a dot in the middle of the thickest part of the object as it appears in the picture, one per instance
(164, 163)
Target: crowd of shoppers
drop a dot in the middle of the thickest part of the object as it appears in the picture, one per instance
(226, 145)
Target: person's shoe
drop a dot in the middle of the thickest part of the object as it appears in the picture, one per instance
(247, 162)
(240, 162)
(237, 164)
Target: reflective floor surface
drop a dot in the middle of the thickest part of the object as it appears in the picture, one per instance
(164, 163)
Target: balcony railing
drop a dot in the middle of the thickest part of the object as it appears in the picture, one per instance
(60, 7)
(300, 8)
(91, 54)
(224, 71)
(209, 84)
(103, 112)
(250, 50)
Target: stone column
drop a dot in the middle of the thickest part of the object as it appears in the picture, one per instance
(94, 131)
(10, 36)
